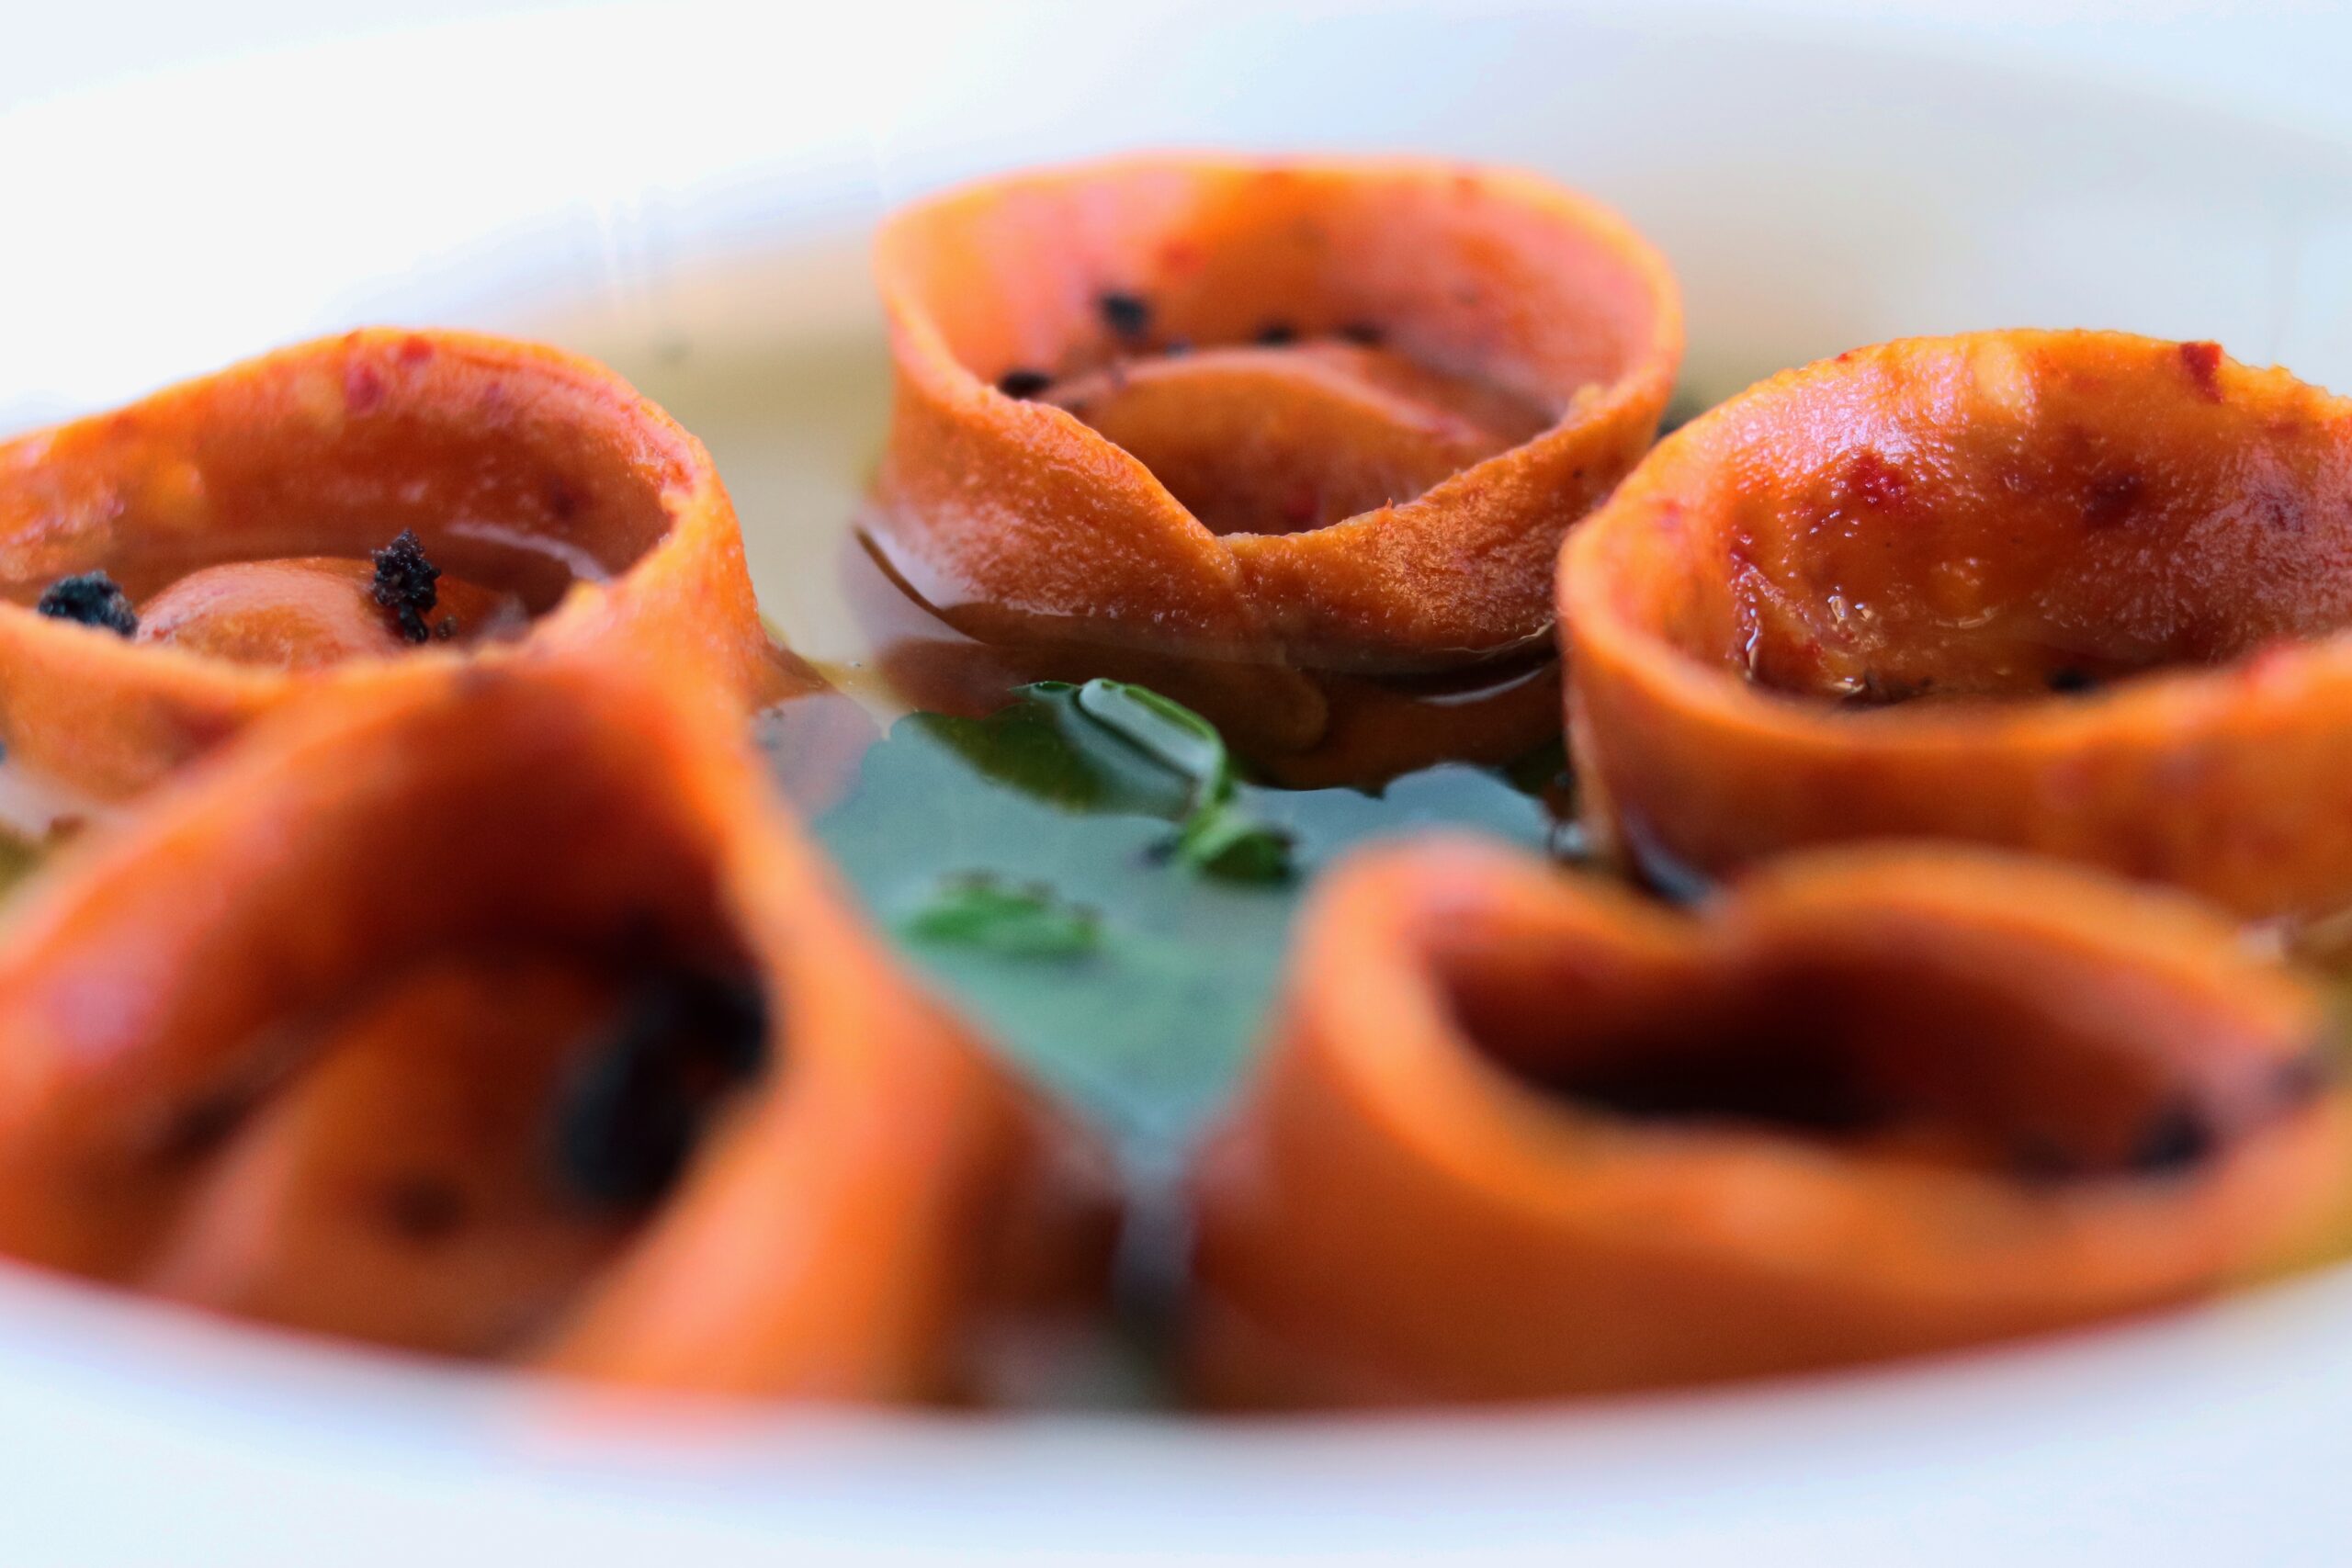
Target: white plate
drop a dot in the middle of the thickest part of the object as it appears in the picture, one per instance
(683, 193)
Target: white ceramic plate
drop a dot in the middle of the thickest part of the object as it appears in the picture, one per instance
(683, 192)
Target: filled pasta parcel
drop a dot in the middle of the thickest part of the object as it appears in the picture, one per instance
(501, 1011)
(1520, 1135)
(1294, 441)
(173, 567)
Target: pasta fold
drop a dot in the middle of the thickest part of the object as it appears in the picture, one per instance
(1270, 435)
(1523, 1136)
(2080, 593)
(173, 568)
(499, 1010)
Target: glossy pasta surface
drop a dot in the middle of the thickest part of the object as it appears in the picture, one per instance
(2080, 593)
(1521, 1137)
(562, 1050)
(248, 527)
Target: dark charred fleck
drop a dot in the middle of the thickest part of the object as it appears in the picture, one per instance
(1275, 334)
(1128, 315)
(2069, 681)
(2203, 363)
(646, 1087)
(2175, 1139)
(444, 628)
(1364, 334)
(404, 581)
(91, 598)
(423, 1208)
(1023, 383)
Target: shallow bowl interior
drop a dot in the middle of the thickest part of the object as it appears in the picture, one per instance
(699, 223)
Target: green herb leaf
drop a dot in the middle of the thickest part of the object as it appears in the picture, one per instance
(1224, 842)
(978, 911)
(1170, 733)
(1046, 747)
(1086, 871)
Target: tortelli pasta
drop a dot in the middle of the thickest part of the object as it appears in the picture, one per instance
(456, 977)
(1270, 434)
(1519, 1135)
(499, 1011)
(177, 565)
(2075, 593)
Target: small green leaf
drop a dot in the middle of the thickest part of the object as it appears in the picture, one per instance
(1223, 841)
(1087, 873)
(1044, 746)
(1169, 732)
(978, 911)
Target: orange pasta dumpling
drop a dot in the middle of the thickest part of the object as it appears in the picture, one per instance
(500, 1012)
(1521, 1134)
(2076, 592)
(173, 568)
(1293, 440)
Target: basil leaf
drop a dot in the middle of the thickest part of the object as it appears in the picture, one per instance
(1167, 731)
(1223, 841)
(978, 911)
(1089, 875)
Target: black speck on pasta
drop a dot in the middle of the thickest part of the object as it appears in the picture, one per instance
(644, 1089)
(1023, 383)
(1128, 315)
(90, 599)
(404, 581)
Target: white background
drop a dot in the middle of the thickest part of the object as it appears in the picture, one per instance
(2291, 55)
